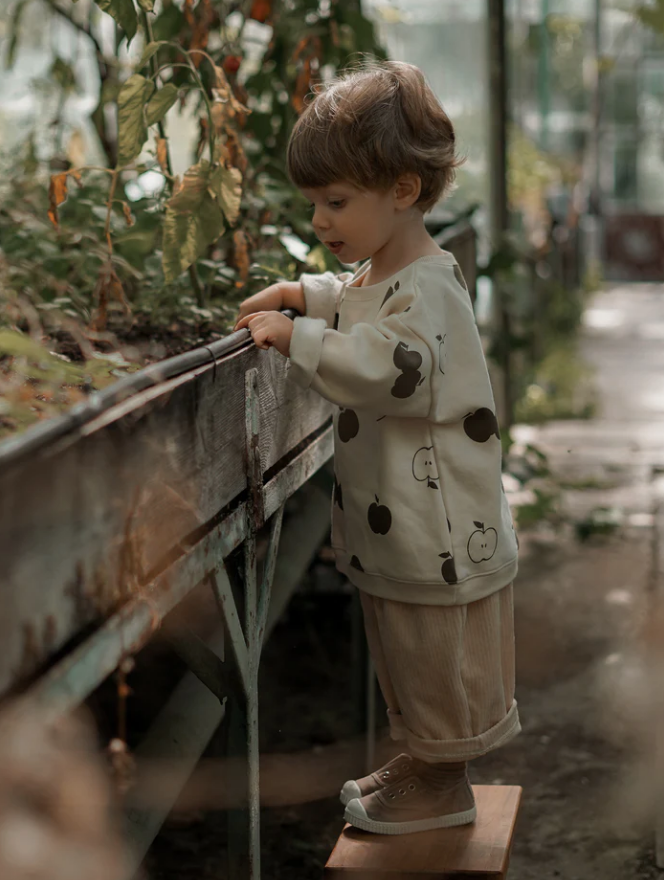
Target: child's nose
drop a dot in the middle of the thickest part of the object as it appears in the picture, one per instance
(319, 222)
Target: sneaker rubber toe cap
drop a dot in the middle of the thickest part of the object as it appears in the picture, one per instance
(350, 790)
(355, 809)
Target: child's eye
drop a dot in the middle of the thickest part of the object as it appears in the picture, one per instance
(333, 203)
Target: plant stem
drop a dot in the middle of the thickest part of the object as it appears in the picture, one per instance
(196, 284)
(154, 65)
(199, 83)
(107, 225)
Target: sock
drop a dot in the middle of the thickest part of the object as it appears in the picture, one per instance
(444, 775)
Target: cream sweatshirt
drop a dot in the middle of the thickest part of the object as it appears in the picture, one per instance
(418, 511)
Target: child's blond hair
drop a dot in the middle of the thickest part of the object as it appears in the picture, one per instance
(371, 125)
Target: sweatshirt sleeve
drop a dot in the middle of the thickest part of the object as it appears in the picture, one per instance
(385, 367)
(321, 294)
(422, 357)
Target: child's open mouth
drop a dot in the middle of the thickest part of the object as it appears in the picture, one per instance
(335, 246)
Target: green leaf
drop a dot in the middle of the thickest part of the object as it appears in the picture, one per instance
(132, 131)
(168, 24)
(150, 50)
(225, 184)
(193, 220)
(161, 103)
(136, 244)
(31, 160)
(186, 236)
(652, 18)
(124, 12)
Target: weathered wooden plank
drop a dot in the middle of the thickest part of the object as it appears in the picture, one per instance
(86, 520)
(73, 678)
(479, 850)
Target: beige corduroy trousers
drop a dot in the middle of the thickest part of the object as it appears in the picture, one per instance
(446, 673)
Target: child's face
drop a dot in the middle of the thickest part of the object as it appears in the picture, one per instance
(354, 224)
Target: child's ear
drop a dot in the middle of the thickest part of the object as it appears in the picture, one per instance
(407, 190)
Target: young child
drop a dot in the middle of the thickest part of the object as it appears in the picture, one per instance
(420, 522)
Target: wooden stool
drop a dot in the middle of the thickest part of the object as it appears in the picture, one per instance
(480, 850)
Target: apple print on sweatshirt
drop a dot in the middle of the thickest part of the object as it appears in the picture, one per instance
(380, 518)
(390, 290)
(408, 362)
(424, 467)
(448, 570)
(481, 425)
(442, 352)
(348, 425)
(482, 543)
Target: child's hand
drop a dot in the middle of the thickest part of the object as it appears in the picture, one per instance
(263, 301)
(269, 328)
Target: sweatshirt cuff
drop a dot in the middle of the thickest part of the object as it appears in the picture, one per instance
(320, 296)
(306, 346)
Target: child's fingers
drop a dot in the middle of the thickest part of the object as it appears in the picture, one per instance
(260, 338)
(244, 322)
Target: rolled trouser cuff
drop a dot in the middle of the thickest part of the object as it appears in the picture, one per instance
(433, 751)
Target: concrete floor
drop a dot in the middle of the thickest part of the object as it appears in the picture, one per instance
(584, 614)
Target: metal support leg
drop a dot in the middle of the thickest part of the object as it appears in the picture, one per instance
(246, 645)
(207, 666)
(238, 823)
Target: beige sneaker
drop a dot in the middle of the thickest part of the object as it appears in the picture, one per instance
(396, 769)
(413, 804)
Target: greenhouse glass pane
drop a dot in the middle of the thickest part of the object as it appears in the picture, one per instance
(447, 40)
(621, 96)
(650, 172)
(651, 95)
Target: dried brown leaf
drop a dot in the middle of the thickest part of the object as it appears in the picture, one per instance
(162, 154)
(201, 21)
(241, 255)
(126, 210)
(224, 94)
(234, 151)
(108, 289)
(57, 194)
(302, 86)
